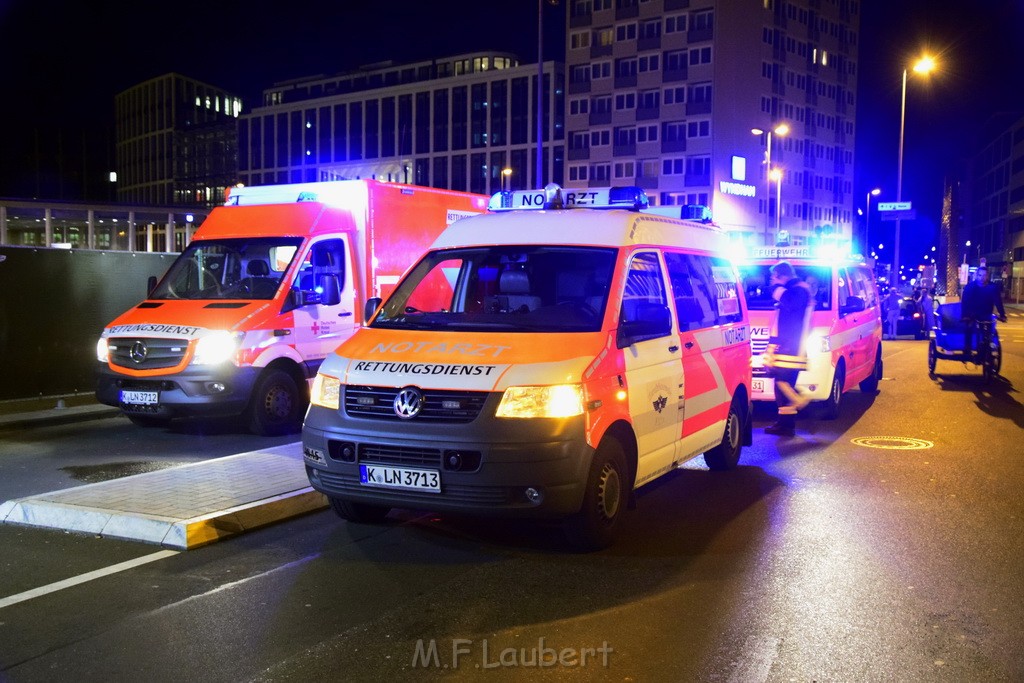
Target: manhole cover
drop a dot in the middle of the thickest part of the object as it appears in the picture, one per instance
(892, 443)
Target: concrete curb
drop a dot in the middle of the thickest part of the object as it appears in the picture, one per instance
(178, 534)
(56, 416)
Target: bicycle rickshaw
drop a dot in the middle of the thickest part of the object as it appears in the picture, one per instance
(949, 342)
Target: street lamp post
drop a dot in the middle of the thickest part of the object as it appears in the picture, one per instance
(776, 175)
(922, 66)
(781, 129)
(867, 216)
(540, 90)
(506, 178)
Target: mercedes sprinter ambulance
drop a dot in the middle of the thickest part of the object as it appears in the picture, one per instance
(267, 288)
(544, 360)
(844, 345)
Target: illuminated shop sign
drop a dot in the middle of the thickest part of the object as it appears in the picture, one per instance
(741, 189)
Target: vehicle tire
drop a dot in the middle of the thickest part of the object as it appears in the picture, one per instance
(870, 383)
(830, 408)
(276, 406)
(726, 455)
(363, 513)
(148, 421)
(932, 357)
(993, 363)
(604, 499)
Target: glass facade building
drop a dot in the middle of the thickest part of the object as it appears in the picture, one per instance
(454, 123)
(176, 142)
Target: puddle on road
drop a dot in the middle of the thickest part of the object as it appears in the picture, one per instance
(91, 474)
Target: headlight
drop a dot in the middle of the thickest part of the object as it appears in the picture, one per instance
(819, 343)
(217, 347)
(102, 354)
(326, 392)
(560, 400)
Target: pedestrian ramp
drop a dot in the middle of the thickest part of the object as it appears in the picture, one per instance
(180, 507)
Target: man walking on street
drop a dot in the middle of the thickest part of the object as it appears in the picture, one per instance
(786, 355)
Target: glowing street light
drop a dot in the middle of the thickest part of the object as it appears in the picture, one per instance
(506, 178)
(781, 130)
(923, 65)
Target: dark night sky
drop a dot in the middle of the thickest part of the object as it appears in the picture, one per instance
(64, 62)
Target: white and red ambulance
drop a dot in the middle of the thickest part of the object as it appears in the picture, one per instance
(266, 289)
(844, 344)
(545, 360)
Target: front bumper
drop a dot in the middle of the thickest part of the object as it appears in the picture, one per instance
(500, 460)
(193, 392)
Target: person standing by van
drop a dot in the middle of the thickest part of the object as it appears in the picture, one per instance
(891, 308)
(786, 354)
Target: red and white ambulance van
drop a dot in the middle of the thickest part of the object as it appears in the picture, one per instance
(844, 346)
(544, 360)
(266, 289)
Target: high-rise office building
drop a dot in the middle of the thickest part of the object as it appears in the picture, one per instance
(466, 122)
(665, 94)
(176, 142)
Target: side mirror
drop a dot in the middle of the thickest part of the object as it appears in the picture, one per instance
(150, 285)
(331, 295)
(854, 304)
(651, 321)
(295, 298)
(371, 306)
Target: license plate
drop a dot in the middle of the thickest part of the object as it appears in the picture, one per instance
(400, 478)
(140, 398)
(762, 385)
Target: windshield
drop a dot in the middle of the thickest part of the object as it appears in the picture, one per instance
(243, 268)
(759, 297)
(503, 288)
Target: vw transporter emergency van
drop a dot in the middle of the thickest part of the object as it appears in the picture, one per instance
(268, 287)
(844, 343)
(545, 359)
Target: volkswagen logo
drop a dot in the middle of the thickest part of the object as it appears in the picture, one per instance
(408, 403)
(138, 351)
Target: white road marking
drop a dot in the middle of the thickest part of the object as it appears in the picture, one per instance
(84, 578)
(755, 665)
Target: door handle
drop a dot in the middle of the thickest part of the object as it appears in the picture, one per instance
(688, 345)
(673, 348)
(344, 314)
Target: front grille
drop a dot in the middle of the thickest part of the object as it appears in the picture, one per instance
(159, 352)
(399, 455)
(439, 406)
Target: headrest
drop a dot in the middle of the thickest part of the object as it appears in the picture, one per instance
(321, 258)
(514, 282)
(258, 268)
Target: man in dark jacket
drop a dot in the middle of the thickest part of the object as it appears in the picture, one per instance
(980, 298)
(786, 355)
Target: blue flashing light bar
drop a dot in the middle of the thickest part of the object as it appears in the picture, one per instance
(554, 197)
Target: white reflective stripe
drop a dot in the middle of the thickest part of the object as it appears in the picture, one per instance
(851, 335)
(712, 398)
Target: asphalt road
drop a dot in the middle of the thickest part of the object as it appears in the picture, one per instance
(885, 545)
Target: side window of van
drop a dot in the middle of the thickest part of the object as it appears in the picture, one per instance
(863, 286)
(843, 290)
(326, 257)
(704, 289)
(645, 313)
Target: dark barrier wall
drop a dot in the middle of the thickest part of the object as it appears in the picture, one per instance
(53, 306)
